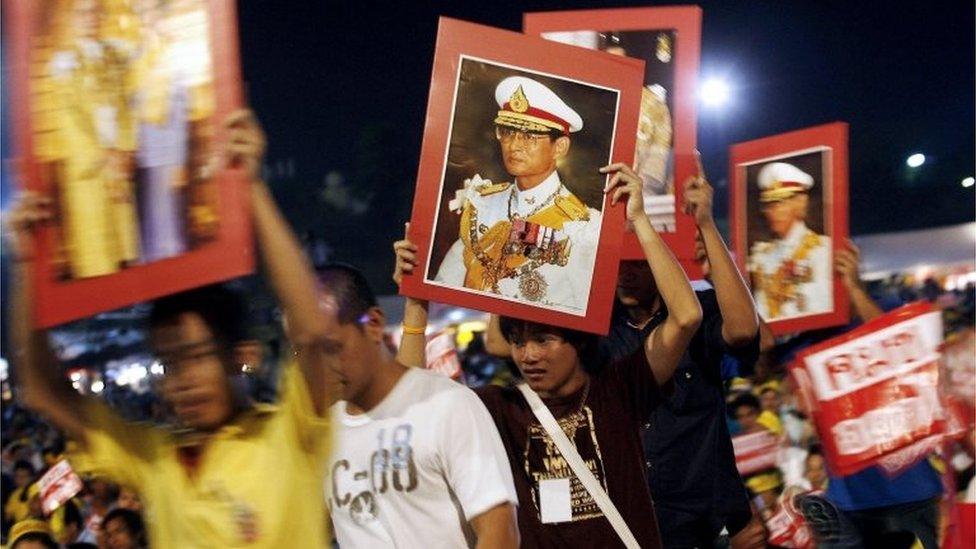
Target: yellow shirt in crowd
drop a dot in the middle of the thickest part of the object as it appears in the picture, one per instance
(258, 483)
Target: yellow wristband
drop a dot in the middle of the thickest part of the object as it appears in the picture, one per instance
(420, 330)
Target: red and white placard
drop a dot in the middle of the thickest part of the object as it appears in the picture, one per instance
(874, 391)
(442, 356)
(58, 485)
(755, 452)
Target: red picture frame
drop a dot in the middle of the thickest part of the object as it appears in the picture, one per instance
(823, 152)
(468, 49)
(226, 253)
(685, 23)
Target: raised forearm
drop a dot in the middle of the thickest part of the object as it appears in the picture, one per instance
(288, 270)
(668, 341)
(739, 320)
(413, 346)
(40, 385)
(495, 342)
(863, 306)
(680, 300)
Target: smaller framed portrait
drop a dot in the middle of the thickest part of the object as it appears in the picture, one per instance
(668, 40)
(117, 110)
(788, 216)
(509, 212)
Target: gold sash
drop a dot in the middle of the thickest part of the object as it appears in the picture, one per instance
(485, 258)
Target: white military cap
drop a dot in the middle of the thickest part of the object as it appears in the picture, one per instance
(779, 181)
(527, 105)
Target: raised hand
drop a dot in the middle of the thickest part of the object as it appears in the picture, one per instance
(29, 212)
(406, 256)
(698, 196)
(625, 183)
(245, 143)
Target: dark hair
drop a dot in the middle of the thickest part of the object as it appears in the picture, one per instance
(40, 537)
(516, 329)
(222, 309)
(133, 523)
(23, 464)
(748, 400)
(72, 515)
(350, 288)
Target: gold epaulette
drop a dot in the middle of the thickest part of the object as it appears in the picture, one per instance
(573, 207)
(492, 188)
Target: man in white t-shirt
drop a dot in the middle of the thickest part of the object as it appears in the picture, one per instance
(417, 460)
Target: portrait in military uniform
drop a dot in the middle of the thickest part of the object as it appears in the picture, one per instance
(788, 212)
(789, 260)
(667, 40)
(521, 207)
(121, 97)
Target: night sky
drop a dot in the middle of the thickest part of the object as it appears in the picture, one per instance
(343, 88)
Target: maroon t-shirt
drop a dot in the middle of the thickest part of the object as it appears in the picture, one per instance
(606, 431)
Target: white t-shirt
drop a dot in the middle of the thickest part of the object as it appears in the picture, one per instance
(414, 470)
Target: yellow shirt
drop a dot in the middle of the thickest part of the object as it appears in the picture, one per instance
(17, 510)
(258, 484)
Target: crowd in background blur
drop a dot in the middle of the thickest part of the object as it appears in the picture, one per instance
(110, 516)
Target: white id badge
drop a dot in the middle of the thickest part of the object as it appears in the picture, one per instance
(554, 500)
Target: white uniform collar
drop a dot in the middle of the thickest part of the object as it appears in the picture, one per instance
(795, 234)
(526, 201)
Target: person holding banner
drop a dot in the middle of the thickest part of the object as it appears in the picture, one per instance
(231, 473)
(688, 431)
(872, 508)
(581, 479)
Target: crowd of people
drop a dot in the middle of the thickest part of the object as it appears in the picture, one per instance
(568, 440)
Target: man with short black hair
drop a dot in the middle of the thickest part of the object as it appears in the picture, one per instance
(417, 460)
(599, 405)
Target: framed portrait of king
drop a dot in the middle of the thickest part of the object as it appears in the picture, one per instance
(117, 110)
(788, 217)
(668, 39)
(509, 212)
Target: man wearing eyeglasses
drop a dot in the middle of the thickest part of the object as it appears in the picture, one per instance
(231, 473)
(534, 240)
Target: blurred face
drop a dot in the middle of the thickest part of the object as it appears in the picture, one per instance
(747, 416)
(770, 401)
(117, 535)
(195, 381)
(249, 354)
(22, 477)
(530, 155)
(816, 472)
(128, 499)
(635, 284)
(781, 215)
(549, 364)
(352, 351)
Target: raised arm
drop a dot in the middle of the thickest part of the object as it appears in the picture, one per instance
(40, 384)
(413, 343)
(740, 323)
(287, 269)
(668, 341)
(847, 263)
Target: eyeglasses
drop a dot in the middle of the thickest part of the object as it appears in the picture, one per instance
(194, 353)
(508, 135)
